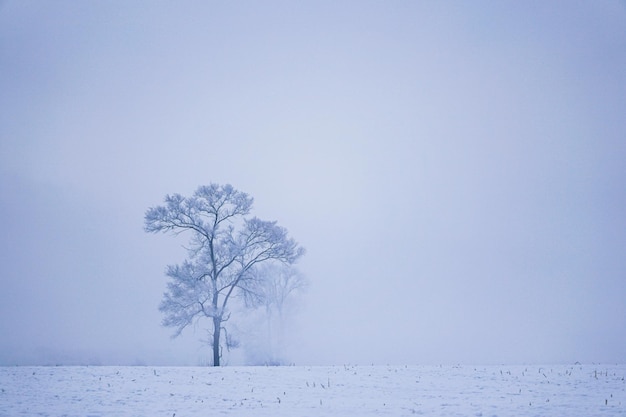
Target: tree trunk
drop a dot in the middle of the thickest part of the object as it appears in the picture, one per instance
(217, 329)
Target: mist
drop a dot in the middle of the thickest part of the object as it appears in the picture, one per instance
(455, 171)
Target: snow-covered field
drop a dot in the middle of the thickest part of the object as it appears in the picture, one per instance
(552, 390)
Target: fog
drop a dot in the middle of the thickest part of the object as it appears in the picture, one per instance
(455, 171)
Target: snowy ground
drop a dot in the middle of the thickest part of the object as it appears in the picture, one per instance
(552, 390)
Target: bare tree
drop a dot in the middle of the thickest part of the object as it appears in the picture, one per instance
(225, 245)
(272, 284)
(270, 287)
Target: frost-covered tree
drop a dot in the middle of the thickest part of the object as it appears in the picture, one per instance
(225, 246)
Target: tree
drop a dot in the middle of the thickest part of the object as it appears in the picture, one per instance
(225, 246)
(271, 288)
(273, 284)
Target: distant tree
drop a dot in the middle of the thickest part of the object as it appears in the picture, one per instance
(225, 246)
(271, 286)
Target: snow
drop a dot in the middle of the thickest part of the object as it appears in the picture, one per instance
(551, 390)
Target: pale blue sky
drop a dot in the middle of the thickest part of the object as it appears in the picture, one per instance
(454, 169)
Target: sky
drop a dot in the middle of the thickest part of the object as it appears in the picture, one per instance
(455, 171)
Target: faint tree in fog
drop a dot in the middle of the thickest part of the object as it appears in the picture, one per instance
(225, 246)
(271, 285)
